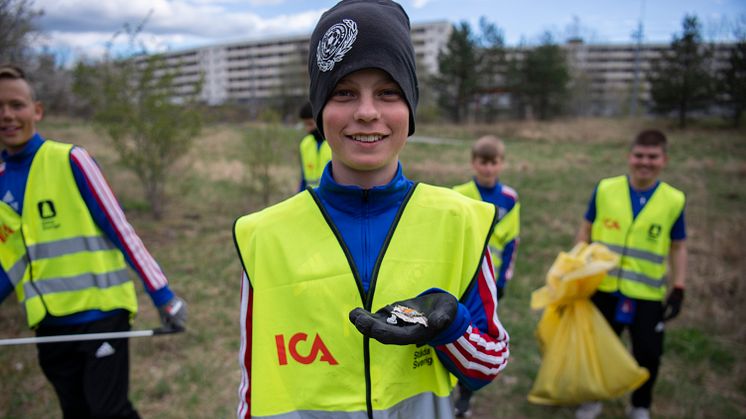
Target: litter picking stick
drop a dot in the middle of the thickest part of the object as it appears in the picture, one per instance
(89, 336)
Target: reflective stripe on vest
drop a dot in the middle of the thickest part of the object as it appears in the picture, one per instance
(13, 257)
(73, 266)
(75, 283)
(306, 355)
(68, 246)
(424, 405)
(313, 158)
(643, 242)
(15, 274)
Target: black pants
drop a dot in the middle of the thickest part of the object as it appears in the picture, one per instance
(646, 337)
(91, 378)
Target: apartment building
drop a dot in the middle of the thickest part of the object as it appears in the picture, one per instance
(605, 77)
(611, 75)
(256, 70)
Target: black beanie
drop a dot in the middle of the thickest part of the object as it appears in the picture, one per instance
(355, 35)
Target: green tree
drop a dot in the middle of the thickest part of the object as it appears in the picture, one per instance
(263, 151)
(491, 69)
(538, 79)
(680, 79)
(732, 78)
(17, 29)
(292, 90)
(457, 81)
(151, 122)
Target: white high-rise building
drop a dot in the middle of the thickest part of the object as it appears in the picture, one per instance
(255, 70)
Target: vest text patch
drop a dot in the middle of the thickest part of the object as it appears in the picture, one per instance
(317, 348)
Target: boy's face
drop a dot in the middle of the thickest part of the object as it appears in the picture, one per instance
(366, 121)
(645, 164)
(18, 114)
(486, 171)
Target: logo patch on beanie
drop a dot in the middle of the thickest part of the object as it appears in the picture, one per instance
(337, 41)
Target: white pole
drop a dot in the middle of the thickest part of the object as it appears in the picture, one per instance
(86, 336)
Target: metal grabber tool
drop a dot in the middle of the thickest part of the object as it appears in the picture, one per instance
(90, 336)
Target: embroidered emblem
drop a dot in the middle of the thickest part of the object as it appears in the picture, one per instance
(335, 44)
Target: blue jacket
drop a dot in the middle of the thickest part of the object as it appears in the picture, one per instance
(105, 211)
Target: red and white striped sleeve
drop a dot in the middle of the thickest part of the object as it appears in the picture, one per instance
(129, 242)
(478, 356)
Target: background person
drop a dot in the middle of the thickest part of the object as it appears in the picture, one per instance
(642, 219)
(314, 151)
(371, 240)
(64, 245)
(488, 161)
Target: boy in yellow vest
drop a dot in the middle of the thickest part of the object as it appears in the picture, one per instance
(360, 296)
(64, 249)
(314, 151)
(487, 161)
(642, 219)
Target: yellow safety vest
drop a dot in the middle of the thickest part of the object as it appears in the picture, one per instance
(55, 255)
(313, 158)
(642, 243)
(306, 356)
(506, 230)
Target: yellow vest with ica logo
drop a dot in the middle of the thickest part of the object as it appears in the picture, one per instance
(306, 356)
(642, 243)
(55, 255)
(506, 230)
(313, 158)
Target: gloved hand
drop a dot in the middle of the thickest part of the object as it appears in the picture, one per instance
(174, 314)
(439, 308)
(672, 306)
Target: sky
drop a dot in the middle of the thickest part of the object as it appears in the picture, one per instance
(82, 28)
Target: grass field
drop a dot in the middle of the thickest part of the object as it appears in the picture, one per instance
(554, 167)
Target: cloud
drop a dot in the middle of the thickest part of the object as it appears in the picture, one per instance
(86, 25)
(418, 4)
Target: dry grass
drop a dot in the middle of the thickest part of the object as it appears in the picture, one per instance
(552, 165)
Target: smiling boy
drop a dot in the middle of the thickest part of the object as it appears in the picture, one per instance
(642, 219)
(66, 255)
(369, 266)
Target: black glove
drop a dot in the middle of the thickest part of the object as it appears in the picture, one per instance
(672, 306)
(439, 309)
(174, 314)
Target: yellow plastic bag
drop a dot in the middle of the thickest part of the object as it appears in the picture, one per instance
(582, 357)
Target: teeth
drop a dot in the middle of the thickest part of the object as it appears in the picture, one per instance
(366, 138)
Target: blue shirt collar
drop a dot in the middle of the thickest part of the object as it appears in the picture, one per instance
(28, 152)
(486, 189)
(643, 191)
(350, 199)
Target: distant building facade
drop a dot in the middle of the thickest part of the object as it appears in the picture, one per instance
(605, 77)
(257, 70)
(611, 75)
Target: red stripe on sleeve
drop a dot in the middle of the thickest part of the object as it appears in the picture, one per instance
(487, 287)
(143, 261)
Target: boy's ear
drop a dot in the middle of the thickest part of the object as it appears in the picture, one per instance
(38, 111)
